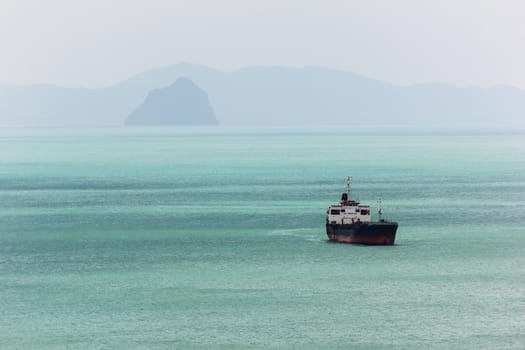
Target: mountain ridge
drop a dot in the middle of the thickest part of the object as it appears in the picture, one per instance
(267, 96)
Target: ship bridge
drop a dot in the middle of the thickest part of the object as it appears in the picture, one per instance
(348, 214)
(348, 211)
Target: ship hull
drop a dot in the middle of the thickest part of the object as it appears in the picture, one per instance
(373, 233)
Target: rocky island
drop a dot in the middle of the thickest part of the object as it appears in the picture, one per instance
(182, 103)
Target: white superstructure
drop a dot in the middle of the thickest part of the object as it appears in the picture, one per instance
(348, 211)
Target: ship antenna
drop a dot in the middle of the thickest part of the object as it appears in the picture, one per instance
(379, 210)
(348, 181)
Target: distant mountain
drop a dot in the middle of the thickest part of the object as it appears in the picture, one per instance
(269, 96)
(182, 103)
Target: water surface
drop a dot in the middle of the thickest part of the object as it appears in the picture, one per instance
(203, 238)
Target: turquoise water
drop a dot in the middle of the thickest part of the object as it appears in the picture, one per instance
(213, 239)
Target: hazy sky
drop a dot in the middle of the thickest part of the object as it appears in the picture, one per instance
(99, 42)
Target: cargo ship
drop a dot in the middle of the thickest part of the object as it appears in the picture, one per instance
(351, 222)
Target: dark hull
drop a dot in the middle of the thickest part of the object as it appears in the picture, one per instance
(376, 233)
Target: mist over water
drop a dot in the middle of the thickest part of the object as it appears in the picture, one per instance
(214, 238)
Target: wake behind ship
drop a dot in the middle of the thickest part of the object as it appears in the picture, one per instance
(351, 222)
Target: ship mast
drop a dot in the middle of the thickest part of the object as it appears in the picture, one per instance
(379, 210)
(348, 181)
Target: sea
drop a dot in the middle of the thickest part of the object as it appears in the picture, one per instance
(214, 238)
